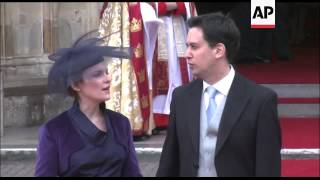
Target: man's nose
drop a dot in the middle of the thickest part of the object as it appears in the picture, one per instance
(187, 54)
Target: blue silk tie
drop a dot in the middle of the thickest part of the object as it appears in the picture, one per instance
(212, 104)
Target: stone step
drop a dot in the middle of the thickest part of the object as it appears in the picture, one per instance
(304, 102)
(295, 90)
(298, 110)
(27, 153)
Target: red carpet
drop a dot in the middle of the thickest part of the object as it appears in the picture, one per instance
(300, 168)
(298, 100)
(300, 132)
(302, 69)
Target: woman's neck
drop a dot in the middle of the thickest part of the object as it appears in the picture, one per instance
(93, 113)
(89, 109)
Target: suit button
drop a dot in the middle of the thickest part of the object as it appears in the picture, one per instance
(196, 165)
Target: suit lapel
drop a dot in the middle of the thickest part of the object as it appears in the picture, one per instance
(235, 103)
(193, 114)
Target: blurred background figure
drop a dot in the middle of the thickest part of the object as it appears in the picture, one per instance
(157, 32)
(259, 45)
(170, 68)
(131, 24)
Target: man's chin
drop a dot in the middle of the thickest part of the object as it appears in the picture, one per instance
(195, 75)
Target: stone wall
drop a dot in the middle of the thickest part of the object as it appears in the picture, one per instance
(33, 109)
(29, 32)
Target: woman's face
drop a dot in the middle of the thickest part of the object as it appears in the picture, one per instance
(95, 84)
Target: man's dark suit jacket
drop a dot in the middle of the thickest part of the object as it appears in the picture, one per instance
(249, 137)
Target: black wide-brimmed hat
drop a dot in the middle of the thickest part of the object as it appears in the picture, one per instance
(69, 63)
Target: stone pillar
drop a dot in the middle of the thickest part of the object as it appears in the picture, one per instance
(2, 51)
(1, 103)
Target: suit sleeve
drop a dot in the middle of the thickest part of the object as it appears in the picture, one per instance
(268, 139)
(169, 160)
(47, 154)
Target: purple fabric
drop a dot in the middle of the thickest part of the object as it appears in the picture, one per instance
(58, 139)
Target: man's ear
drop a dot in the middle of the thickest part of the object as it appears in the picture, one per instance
(219, 50)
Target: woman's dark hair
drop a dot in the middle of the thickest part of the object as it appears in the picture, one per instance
(73, 93)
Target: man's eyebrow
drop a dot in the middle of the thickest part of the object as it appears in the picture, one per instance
(191, 43)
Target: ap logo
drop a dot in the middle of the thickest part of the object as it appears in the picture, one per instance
(263, 13)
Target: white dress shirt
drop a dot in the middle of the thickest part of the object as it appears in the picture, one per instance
(208, 140)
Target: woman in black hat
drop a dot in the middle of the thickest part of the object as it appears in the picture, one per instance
(87, 139)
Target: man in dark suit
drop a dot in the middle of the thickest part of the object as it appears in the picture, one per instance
(242, 136)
